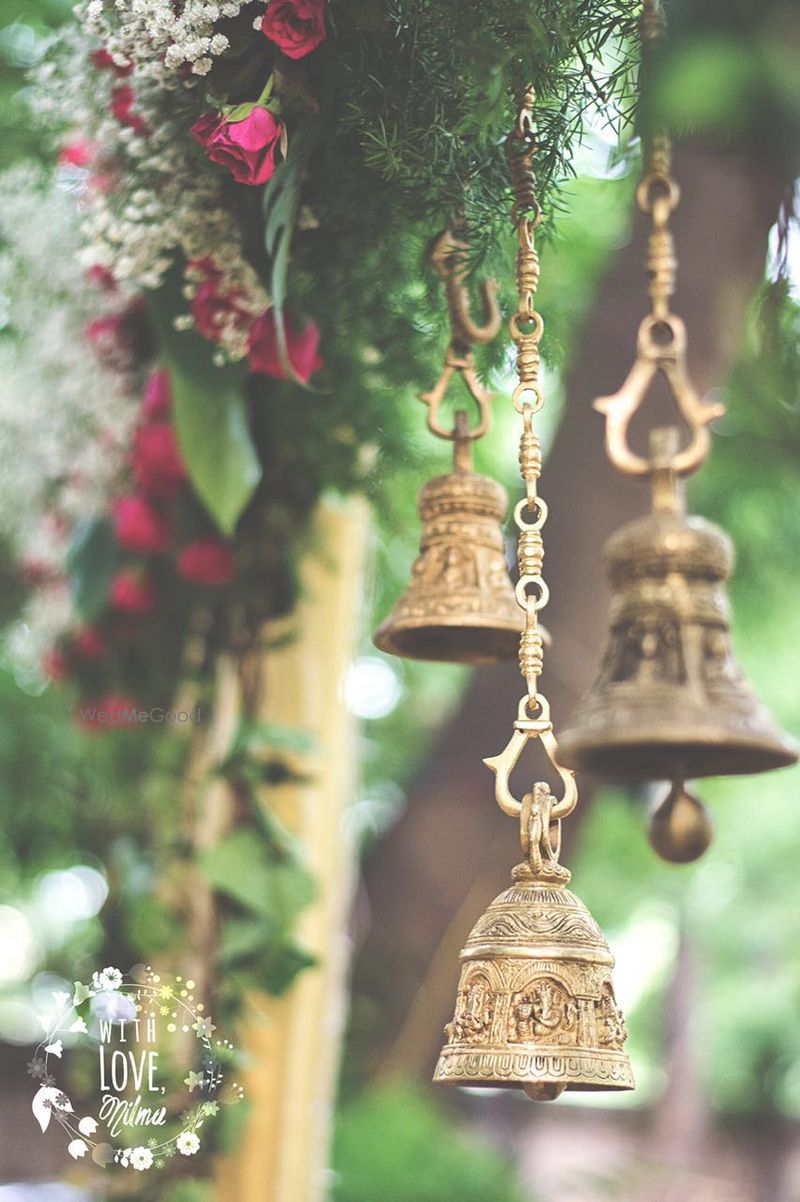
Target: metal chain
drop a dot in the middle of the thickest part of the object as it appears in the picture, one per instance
(658, 193)
(661, 344)
(539, 812)
(527, 328)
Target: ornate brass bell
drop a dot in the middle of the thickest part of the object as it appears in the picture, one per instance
(670, 701)
(459, 606)
(536, 1006)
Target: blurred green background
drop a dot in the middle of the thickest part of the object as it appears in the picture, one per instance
(708, 960)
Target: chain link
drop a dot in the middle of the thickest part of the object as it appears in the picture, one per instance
(658, 194)
(527, 328)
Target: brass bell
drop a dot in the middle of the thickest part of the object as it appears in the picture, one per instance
(670, 701)
(536, 1006)
(459, 606)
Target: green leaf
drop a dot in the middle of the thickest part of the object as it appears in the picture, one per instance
(211, 420)
(281, 202)
(92, 561)
(279, 969)
(243, 867)
(254, 736)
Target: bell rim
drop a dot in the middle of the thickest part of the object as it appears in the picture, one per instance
(569, 1067)
(651, 754)
(397, 638)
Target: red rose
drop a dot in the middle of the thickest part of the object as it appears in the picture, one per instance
(139, 526)
(102, 277)
(247, 148)
(302, 346)
(213, 311)
(54, 665)
(295, 26)
(132, 593)
(157, 394)
(122, 102)
(207, 561)
(156, 460)
(103, 60)
(89, 642)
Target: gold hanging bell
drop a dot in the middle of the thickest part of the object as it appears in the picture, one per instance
(670, 701)
(459, 606)
(460, 603)
(536, 1007)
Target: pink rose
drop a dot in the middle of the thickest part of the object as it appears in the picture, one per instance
(140, 527)
(132, 593)
(207, 561)
(295, 26)
(247, 148)
(78, 152)
(89, 643)
(302, 346)
(156, 460)
(157, 394)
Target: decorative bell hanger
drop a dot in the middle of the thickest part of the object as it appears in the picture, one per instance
(670, 702)
(459, 606)
(535, 1007)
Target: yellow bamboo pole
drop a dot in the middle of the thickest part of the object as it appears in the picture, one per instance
(293, 1042)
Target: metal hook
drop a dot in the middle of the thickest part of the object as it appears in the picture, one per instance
(619, 409)
(525, 729)
(448, 261)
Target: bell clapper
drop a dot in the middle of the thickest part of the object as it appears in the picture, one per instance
(680, 828)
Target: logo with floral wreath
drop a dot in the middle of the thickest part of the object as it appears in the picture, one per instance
(141, 1027)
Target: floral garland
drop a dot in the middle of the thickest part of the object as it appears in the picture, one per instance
(146, 199)
(224, 168)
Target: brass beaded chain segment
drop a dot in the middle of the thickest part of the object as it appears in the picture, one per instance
(526, 330)
(662, 334)
(539, 812)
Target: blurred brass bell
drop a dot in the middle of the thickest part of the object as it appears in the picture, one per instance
(670, 701)
(460, 605)
(536, 1006)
